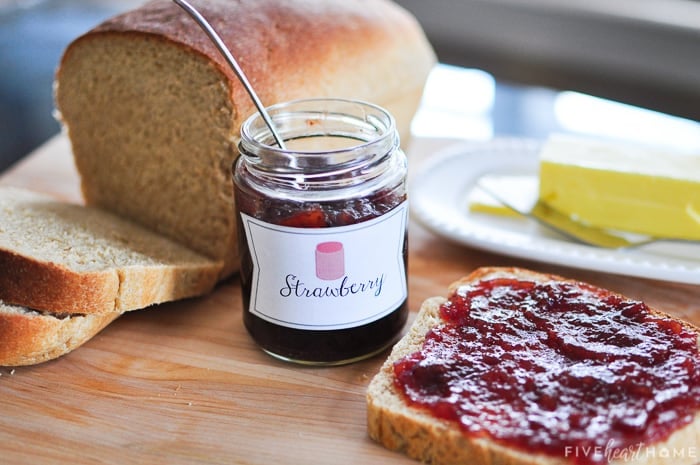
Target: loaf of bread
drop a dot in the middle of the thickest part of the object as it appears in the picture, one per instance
(67, 270)
(400, 424)
(153, 111)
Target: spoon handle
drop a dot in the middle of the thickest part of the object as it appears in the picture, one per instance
(204, 24)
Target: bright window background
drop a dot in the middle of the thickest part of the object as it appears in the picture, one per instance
(470, 104)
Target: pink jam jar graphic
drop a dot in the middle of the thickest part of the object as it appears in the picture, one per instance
(330, 260)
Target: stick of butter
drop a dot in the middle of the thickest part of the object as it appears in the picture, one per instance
(624, 187)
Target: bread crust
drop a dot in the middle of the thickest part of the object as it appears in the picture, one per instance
(399, 427)
(30, 337)
(49, 286)
(294, 48)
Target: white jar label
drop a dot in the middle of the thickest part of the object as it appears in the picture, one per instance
(328, 278)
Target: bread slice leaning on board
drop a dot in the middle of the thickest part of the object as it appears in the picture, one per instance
(30, 337)
(398, 426)
(153, 111)
(68, 270)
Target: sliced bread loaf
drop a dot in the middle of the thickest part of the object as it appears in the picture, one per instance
(400, 424)
(30, 337)
(65, 258)
(153, 112)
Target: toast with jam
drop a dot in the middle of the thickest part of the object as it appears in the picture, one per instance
(519, 367)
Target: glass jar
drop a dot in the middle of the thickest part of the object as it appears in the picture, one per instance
(322, 228)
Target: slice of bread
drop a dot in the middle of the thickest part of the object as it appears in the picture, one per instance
(395, 424)
(30, 337)
(154, 112)
(64, 258)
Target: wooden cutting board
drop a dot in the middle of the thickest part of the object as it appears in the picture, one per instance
(182, 383)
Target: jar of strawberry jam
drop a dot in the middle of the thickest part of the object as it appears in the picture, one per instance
(322, 227)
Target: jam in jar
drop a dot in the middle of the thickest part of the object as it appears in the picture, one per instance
(322, 231)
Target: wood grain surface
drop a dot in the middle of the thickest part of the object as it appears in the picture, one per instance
(182, 383)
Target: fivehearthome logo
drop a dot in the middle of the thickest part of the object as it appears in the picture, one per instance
(634, 452)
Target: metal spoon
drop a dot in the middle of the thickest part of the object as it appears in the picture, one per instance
(204, 24)
(552, 219)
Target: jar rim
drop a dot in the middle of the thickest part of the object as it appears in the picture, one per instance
(371, 125)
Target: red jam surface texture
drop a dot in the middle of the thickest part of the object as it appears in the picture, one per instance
(558, 368)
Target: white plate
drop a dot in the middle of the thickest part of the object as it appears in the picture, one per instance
(439, 200)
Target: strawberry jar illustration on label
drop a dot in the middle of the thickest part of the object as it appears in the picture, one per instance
(322, 231)
(330, 260)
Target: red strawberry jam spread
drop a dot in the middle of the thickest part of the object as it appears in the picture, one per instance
(559, 368)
